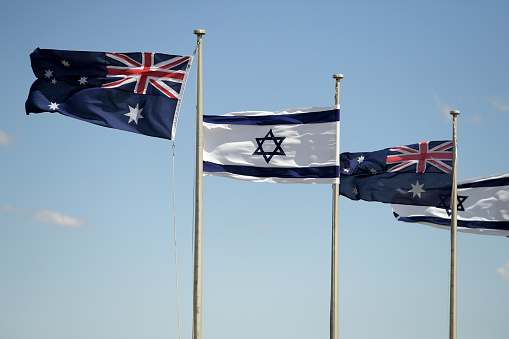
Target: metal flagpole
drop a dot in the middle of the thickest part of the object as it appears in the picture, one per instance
(198, 208)
(454, 224)
(334, 298)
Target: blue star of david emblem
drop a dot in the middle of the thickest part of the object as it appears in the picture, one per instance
(443, 200)
(277, 143)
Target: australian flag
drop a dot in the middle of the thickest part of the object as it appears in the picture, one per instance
(135, 92)
(418, 174)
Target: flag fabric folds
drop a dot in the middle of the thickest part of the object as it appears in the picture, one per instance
(291, 146)
(483, 207)
(135, 92)
(418, 174)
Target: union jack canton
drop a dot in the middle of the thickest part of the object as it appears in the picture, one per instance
(418, 174)
(422, 156)
(136, 92)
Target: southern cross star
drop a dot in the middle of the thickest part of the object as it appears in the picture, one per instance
(355, 191)
(66, 63)
(277, 143)
(416, 189)
(53, 106)
(360, 159)
(83, 80)
(48, 73)
(134, 114)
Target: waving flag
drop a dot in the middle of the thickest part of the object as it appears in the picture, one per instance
(483, 207)
(292, 146)
(135, 92)
(418, 174)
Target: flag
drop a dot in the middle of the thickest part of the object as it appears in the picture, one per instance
(135, 92)
(418, 174)
(483, 207)
(292, 146)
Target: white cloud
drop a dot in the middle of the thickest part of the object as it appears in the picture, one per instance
(500, 103)
(45, 216)
(503, 272)
(5, 139)
(51, 217)
(444, 109)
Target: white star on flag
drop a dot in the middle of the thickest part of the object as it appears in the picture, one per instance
(134, 114)
(83, 80)
(48, 73)
(416, 189)
(66, 63)
(360, 159)
(53, 106)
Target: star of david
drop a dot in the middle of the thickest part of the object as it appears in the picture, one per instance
(442, 204)
(461, 200)
(277, 143)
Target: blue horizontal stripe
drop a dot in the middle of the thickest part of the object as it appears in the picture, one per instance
(488, 225)
(276, 119)
(486, 183)
(275, 172)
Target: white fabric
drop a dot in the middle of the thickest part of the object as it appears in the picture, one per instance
(305, 145)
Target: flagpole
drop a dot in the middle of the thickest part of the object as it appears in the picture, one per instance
(454, 229)
(198, 208)
(334, 299)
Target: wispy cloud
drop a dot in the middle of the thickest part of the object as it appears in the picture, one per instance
(474, 118)
(500, 103)
(503, 272)
(45, 216)
(444, 109)
(264, 229)
(5, 139)
(6, 208)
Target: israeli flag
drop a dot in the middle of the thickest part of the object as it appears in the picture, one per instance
(483, 207)
(291, 146)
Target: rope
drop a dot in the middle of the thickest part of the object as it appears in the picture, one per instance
(194, 217)
(194, 192)
(175, 237)
(194, 201)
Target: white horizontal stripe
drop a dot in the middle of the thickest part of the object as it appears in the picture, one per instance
(304, 145)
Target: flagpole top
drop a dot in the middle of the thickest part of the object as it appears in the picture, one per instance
(338, 76)
(455, 113)
(199, 32)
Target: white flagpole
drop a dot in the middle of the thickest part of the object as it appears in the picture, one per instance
(454, 226)
(198, 208)
(334, 298)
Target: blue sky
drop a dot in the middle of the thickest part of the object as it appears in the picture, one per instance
(86, 220)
